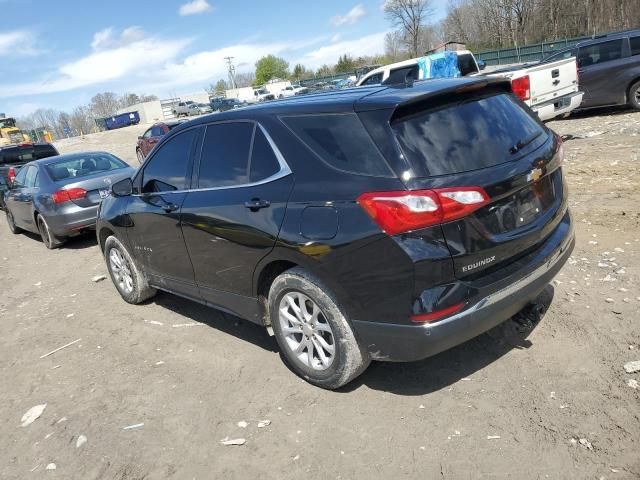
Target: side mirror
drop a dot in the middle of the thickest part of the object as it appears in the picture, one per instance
(123, 188)
(482, 64)
(139, 137)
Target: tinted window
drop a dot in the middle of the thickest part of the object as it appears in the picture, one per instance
(147, 134)
(466, 64)
(635, 45)
(44, 151)
(83, 165)
(599, 53)
(373, 79)
(157, 131)
(562, 55)
(404, 74)
(225, 155)
(167, 169)
(341, 141)
(30, 178)
(263, 159)
(469, 135)
(12, 155)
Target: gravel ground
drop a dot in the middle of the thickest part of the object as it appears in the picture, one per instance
(551, 400)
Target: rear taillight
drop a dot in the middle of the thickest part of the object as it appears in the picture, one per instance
(559, 148)
(12, 174)
(404, 211)
(437, 315)
(522, 87)
(67, 195)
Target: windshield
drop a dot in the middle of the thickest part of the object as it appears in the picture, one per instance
(7, 123)
(84, 165)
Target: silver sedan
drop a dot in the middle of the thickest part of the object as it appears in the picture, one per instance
(58, 197)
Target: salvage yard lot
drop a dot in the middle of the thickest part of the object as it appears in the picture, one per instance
(552, 401)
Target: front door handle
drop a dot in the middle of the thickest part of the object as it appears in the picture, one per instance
(170, 207)
(256, 204)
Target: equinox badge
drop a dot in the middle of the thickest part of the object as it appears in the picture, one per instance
(481, 263)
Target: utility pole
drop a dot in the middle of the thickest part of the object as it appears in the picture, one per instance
(232, 71)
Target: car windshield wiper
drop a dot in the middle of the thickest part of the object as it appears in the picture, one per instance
(523, 143)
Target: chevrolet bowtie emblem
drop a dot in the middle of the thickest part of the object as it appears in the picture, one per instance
(534, 175)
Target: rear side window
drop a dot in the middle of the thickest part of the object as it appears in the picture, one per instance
(341, 141)
(167, 169)
(30, 179)
(44, 151)
(600, 53)
(225, 155)
(465, 136)
(635, 45)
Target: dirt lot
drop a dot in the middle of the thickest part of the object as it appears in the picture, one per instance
(545, 402)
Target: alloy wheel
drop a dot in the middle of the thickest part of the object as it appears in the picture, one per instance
(45, 234)
(306, 331)
(121, 271)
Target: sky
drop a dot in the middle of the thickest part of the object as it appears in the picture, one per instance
(58, 55)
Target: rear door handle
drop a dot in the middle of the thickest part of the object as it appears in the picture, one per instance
(256, 204)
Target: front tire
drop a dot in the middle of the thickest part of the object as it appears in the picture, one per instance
(125, 274)
(12, 223)
(634, 96)
(48, 238)
(313, 332)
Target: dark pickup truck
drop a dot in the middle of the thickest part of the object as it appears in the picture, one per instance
(13, 157)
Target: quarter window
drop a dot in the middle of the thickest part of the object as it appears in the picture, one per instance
(600, 53)
(30, 179)
(264, 163)
(167, 169)
(225, 155)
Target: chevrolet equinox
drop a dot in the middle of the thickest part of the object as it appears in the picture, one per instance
(377, 223)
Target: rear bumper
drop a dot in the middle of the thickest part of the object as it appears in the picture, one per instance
(558, 106)
(406, 343)
(72, 219)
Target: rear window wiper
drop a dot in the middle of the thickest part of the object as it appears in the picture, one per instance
(523, 143)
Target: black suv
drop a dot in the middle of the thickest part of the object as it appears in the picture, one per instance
(608, 69)
(373, 223)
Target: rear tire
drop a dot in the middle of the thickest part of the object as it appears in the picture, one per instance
(125, 274)
(12, 223)
(48, 238)
(313, 332)
(634, 95)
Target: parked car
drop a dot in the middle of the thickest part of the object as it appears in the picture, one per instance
(224, 104)
(13, 157)
(152, 136)
(292, 91)
(58, 197)
(186, 109)
(608, 67)
(372, 223)
(550, 89)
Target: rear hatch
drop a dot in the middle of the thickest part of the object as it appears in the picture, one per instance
(486, 142)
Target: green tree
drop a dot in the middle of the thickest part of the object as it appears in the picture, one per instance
(270, 67)
(324, 70)
(345, 64)
(299, 71)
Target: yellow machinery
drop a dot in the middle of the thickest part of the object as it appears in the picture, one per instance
(10, 134)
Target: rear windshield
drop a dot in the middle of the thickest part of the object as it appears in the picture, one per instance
(469, 135)
(341, 141)
(13, 155)
(44, 151)
(84, 166)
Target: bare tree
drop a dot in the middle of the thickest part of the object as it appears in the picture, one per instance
(394, 47)
(245, 79)
(81, 121)
(409, 16)
(104, 104)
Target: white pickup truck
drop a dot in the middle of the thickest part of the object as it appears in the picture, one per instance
(551, 89)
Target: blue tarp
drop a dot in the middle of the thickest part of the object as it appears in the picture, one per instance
(439, 65)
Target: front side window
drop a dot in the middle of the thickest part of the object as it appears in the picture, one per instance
(167, 169)
(341, 141)
(225, 155)
(147, 134)
(600, 53)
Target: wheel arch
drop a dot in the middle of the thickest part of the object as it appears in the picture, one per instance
(103, 234)
(633, 81)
